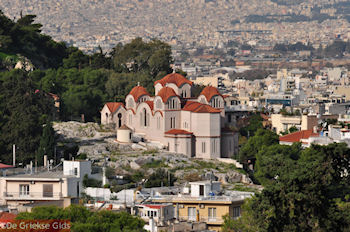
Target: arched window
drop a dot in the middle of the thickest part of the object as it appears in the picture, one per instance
(119, 120)
(144, 117)
(158, 104)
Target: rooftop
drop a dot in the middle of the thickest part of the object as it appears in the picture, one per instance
(197, 107)
(165, 93)
(174, 78)
(298, 136)
(138, 91)
(113, 106)
(210, 92)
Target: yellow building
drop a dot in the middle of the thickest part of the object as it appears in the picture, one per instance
(203, 204)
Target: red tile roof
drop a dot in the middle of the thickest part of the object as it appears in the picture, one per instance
(264, 116)
(138, 91)
(210, 92)
(113, 106)
(7, 217)
(5, 166)
(298, 136)
(150, 103)
(178, 132)
(174, 78)
(165, 93)
(154, 206)
(197, 107)
(124, 127)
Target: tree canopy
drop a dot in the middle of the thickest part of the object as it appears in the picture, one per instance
(83, 220)
(304, 190)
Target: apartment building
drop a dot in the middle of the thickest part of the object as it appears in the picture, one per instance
(202, 203)
(47, 187)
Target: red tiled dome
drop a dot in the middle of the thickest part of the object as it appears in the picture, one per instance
(174, 78)
(138, 91)
(210, 92)
(165, 93)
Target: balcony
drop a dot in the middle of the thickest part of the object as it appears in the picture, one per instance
(44, 196)
(208, 220)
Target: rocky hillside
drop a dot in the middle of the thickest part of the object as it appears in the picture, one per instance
(98, 142)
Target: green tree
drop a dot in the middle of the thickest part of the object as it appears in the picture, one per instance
(255, 123)
(261, 138)
(83, 220)
(153, 57)
(25, 110)
(245, 223)
(159, 178)
(47, 144)
(304, 190)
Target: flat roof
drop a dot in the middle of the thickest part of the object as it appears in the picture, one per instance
(39, 175)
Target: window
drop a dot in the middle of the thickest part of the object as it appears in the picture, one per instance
(144, 118)
(75, 171)
(130, 103)
(172, 104)
(203, 147)
(158, 122)
(24, 189)
(119, 120)
(47, 190)
(191, 213)
(172, 122)
(213, 146)
(201, 190)
(236, 212)
(212, 213)
(158, 104)
(187, 147)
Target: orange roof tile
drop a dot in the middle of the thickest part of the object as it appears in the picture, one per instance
(178, 132)
(150, 103)
(298, 136)
(138, 91)
(174, 78)
(124, 127)
(165, 93)
(113, 106)
(7, 217)
(197, 107)
(210, 92)
(5, 166)
(264, 116)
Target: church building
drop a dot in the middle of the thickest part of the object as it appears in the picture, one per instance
(183, 124)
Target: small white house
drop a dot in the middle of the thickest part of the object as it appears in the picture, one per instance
(204, 188)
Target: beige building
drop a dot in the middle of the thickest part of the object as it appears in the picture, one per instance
(47, 187)
(281, 123)
(202, 204)
(192, 126)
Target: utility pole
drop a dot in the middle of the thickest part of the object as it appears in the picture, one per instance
(14, 155)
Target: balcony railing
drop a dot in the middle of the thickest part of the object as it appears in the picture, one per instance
(33, 195)
(215, 220)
